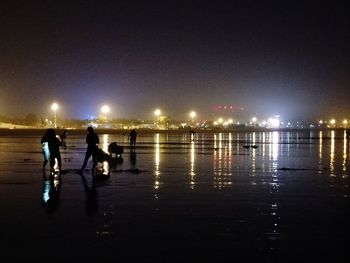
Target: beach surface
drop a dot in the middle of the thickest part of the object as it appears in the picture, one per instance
(213, 197)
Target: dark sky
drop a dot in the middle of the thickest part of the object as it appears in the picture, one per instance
(278, 57)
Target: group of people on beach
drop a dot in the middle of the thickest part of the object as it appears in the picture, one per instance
(51, 148)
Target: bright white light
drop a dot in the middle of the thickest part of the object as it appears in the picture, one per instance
(220, 120)
(254, 119)
(332, 121)
(274, 122)
(54, 106)
(345, 122)
(157, 112)
(193, 114)
(105, 109)
(230, 121)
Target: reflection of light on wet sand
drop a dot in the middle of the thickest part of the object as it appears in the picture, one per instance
(274, 184)
(263, 151)
(46, 191)
(276, 218)
(253, 162)
(275, 145)
(273, 148)
(156, 161)
(345, 152)
(192, 170)
(230, 143)
(331, 159)
(229, 154)
(222, 162)
(320, 153)
(253, 137)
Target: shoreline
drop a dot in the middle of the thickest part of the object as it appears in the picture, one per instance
(41, 131)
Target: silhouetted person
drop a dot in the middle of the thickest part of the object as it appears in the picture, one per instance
(192, 135)
(51, 150)
(132, 138)
(54, 147)
(46, 151)
(91, 140)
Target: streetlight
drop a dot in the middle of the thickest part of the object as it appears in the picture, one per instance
(345, 122)
(193, 115)
(105, 110)
(54, 107)
(157, 114)
(332, 122)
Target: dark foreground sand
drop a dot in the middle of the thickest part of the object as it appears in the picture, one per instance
(210, 200)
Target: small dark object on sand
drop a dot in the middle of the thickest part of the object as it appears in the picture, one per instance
(115, 150)
(250, 146)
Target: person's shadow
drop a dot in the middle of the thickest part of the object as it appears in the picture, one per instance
(133, 158)
(91, 195)
(50, 193)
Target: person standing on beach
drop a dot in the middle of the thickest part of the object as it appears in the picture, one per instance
(46, 151)
(92, 140)
(132, 139)
(51, 150)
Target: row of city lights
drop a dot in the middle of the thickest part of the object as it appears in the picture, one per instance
(273, 121)
(105, 109)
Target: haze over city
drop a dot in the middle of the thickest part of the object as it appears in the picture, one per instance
(262, 58)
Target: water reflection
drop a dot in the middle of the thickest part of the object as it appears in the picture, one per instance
(345, 154)
(331, 159)
(320, 155)
(192, 167)
(253, 159)
(156, 161)
(274, 148)
(263, 167)
(50, 193)
(222, 161)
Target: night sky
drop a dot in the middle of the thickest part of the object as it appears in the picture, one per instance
(278, 57)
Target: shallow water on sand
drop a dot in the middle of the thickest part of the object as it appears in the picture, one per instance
(176, 199)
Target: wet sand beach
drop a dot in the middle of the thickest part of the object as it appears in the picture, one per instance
(213, 198)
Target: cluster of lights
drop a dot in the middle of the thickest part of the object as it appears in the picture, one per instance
(223, 122)
(272, 122)
(333, 122)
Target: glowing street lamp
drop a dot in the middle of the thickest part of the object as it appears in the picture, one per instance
(274, 122)
(157, 114)
(345, 122)
(193, 115)
(54, 107)
(105, 110)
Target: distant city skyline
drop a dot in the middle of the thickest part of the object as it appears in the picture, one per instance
(264, 58)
